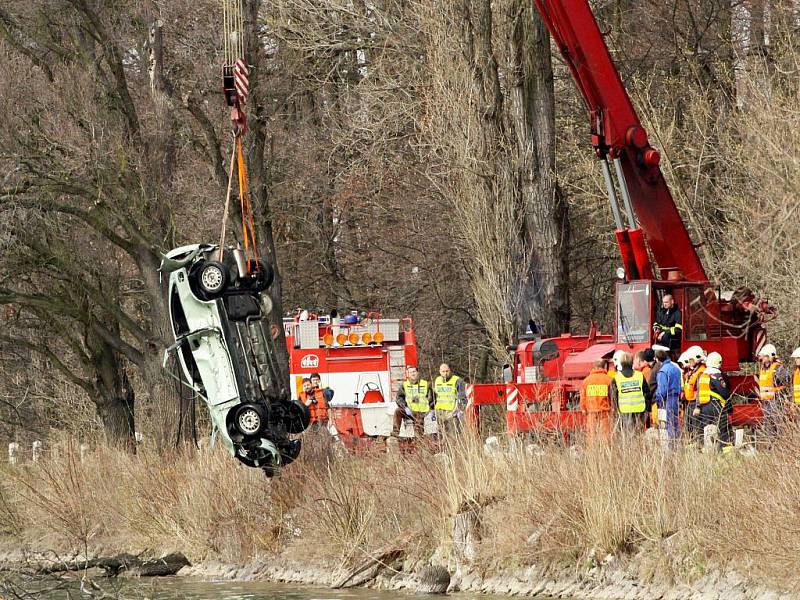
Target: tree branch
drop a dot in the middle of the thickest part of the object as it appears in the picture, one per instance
(53, 358)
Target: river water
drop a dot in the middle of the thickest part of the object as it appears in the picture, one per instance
(180, 588)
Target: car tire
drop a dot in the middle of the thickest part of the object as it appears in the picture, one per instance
(290, 451)
(264, 277)
(298, 417)
(269, 467)
(271, 471)
(212, 278)
(249, 419)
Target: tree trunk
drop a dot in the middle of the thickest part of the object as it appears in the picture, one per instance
(545, 297)
(741, 25)
(115, 403)
(499, 139)
(113, 394)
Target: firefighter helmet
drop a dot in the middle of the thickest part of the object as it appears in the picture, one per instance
(695, 352)
(714, 360)
(768, 350)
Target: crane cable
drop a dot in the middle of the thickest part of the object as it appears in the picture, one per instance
(236, 87)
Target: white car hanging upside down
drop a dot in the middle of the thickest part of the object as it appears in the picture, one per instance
(219, 318)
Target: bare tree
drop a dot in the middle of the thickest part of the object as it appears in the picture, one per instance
(104, 156)
(491, 124)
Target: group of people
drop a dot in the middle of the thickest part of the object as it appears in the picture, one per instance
(648, 389)
(445, 401)
(316, 398)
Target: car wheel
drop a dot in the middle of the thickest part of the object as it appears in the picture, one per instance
(212, 278)
(297, 417)
(249, 419)
(290, 451)
(264, 277)
(271, 470)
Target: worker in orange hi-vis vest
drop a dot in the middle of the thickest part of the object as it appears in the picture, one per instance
(695, 367)
(596, 403)
(796, 381)
(641, 363)
(773, 378)
(316, 400)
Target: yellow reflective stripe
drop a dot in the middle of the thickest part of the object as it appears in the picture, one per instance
(713, 394)
(597, 389)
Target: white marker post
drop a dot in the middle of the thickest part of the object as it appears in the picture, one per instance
(13, 451)
(36, 451)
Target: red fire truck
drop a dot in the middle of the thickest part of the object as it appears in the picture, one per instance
(362, 358)
(658, 258)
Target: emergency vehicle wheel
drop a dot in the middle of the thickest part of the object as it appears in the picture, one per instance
(298, 417)
(249, 419)
(212, 278)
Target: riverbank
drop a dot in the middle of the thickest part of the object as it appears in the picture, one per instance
(633, 580)
(623, 522)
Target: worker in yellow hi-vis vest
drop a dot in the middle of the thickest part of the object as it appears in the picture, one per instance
(414, 402)
(796, 380)
(450, 400)
(631, 394)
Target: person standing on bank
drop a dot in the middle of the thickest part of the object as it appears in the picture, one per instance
(631, 394)
(596, 403)
(450, 399)
(414, 402)
(668, 391)
(713, 400)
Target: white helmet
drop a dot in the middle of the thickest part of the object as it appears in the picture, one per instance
(796, 353)
(617, 358)
(714, 360)
(683, 358)
(768, 350)
(695, 352)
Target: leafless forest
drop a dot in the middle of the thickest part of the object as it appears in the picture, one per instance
(421, 157)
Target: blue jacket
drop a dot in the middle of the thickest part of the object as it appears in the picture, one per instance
(668, 383)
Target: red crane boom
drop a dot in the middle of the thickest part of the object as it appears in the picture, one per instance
(618, 135)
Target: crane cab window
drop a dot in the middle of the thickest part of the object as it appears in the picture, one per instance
(701, 314)
(633, 313)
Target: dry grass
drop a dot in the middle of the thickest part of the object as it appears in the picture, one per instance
(686, 509)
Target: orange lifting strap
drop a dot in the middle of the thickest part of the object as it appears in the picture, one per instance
(248, 228)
